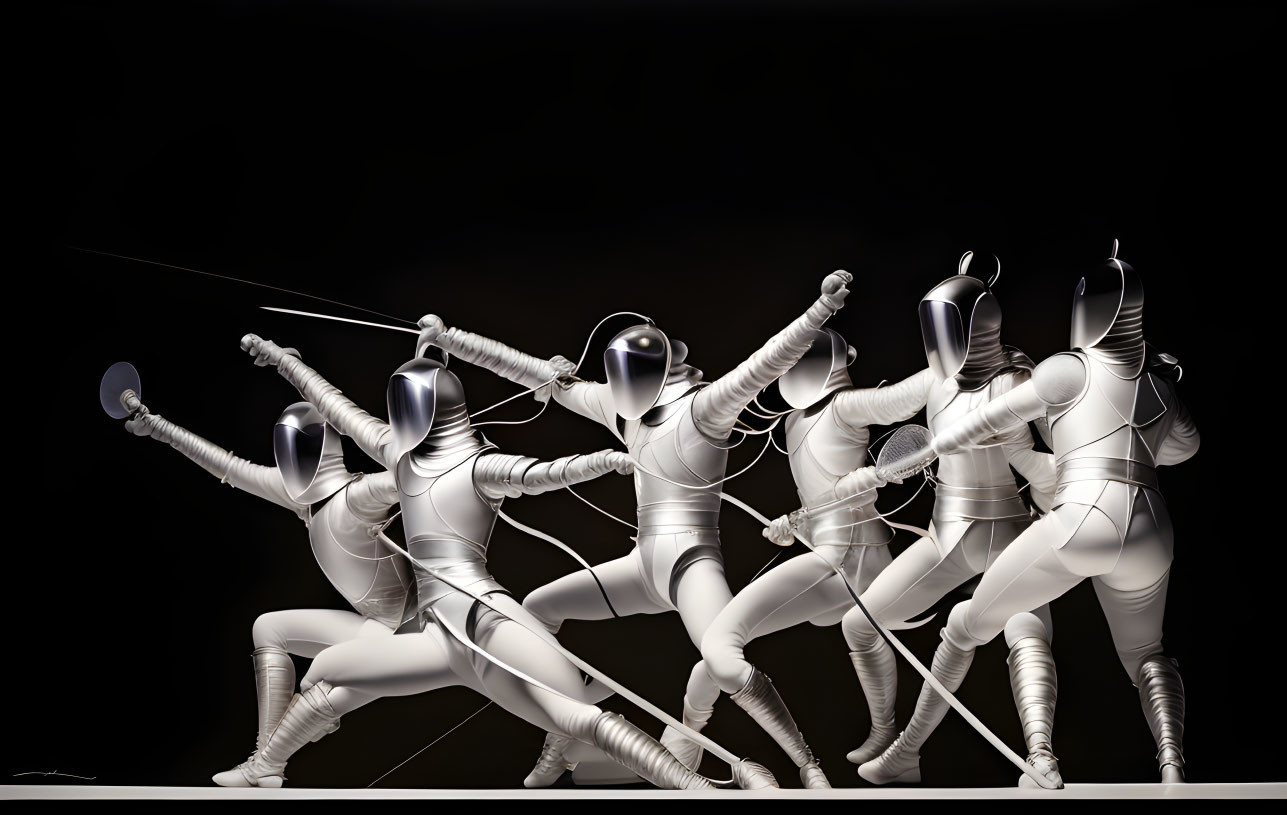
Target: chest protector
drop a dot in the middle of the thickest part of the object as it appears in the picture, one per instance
(822, 450)
(448, 523)
(668, 442)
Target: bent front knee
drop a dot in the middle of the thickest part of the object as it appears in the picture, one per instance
(860, 634)
(539, 605)
(960, 629)
(725, 661)
(266, 633)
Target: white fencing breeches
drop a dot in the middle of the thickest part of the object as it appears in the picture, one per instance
(921, 576)
(804, 589)
(654, 578)
(657, 576)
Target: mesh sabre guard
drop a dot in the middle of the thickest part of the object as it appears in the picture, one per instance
(907, 452)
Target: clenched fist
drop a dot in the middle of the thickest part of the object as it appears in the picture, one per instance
(431, 325)
(623, 463)
(141, 424)
(835, 288)
(781, 531)
(266, 352)
(862, 481)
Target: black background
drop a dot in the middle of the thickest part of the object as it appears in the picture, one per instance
(524, 171)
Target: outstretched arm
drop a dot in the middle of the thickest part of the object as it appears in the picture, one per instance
(592, 400)
(885, 405)
(505, 476)
(255, 479)
(370, 496)
(589, 399)
(370, 433)
(1056, 381)
(716, 408)
(495, 356)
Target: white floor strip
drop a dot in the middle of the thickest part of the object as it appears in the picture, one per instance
(48, 792)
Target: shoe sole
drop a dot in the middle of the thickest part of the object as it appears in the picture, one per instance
(912, 776)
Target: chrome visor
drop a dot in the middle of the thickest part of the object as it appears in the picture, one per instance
(637, 362)
(947, 339)
(299, 443)
(412, 403)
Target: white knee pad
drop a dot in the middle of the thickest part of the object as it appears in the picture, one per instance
(957, 633)
(1024, 625)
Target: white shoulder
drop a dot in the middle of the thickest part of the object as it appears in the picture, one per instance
(1060, 378)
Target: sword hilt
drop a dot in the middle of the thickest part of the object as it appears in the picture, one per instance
(131, 402)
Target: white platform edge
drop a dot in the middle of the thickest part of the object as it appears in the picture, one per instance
(53, 792)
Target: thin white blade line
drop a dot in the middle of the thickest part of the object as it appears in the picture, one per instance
(341, 319)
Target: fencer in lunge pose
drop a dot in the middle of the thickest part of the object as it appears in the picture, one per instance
(1114, 418)
(827, 434)
(451, 483)
(677, 428)
(343, 512)
(977, 512)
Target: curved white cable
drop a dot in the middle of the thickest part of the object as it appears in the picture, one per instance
(584, 352)
(599, 509)
(536, 533)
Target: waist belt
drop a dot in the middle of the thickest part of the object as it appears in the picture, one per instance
(445, 549)
(1001, 492)
(1107, 469)
(677, 518)
(997, 503)
(676, 529)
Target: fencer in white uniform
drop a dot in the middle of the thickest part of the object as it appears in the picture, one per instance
(977, 513)
(1115, 417)
(451, 483)
(827, 435)
(343, 512)
(677, 427)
